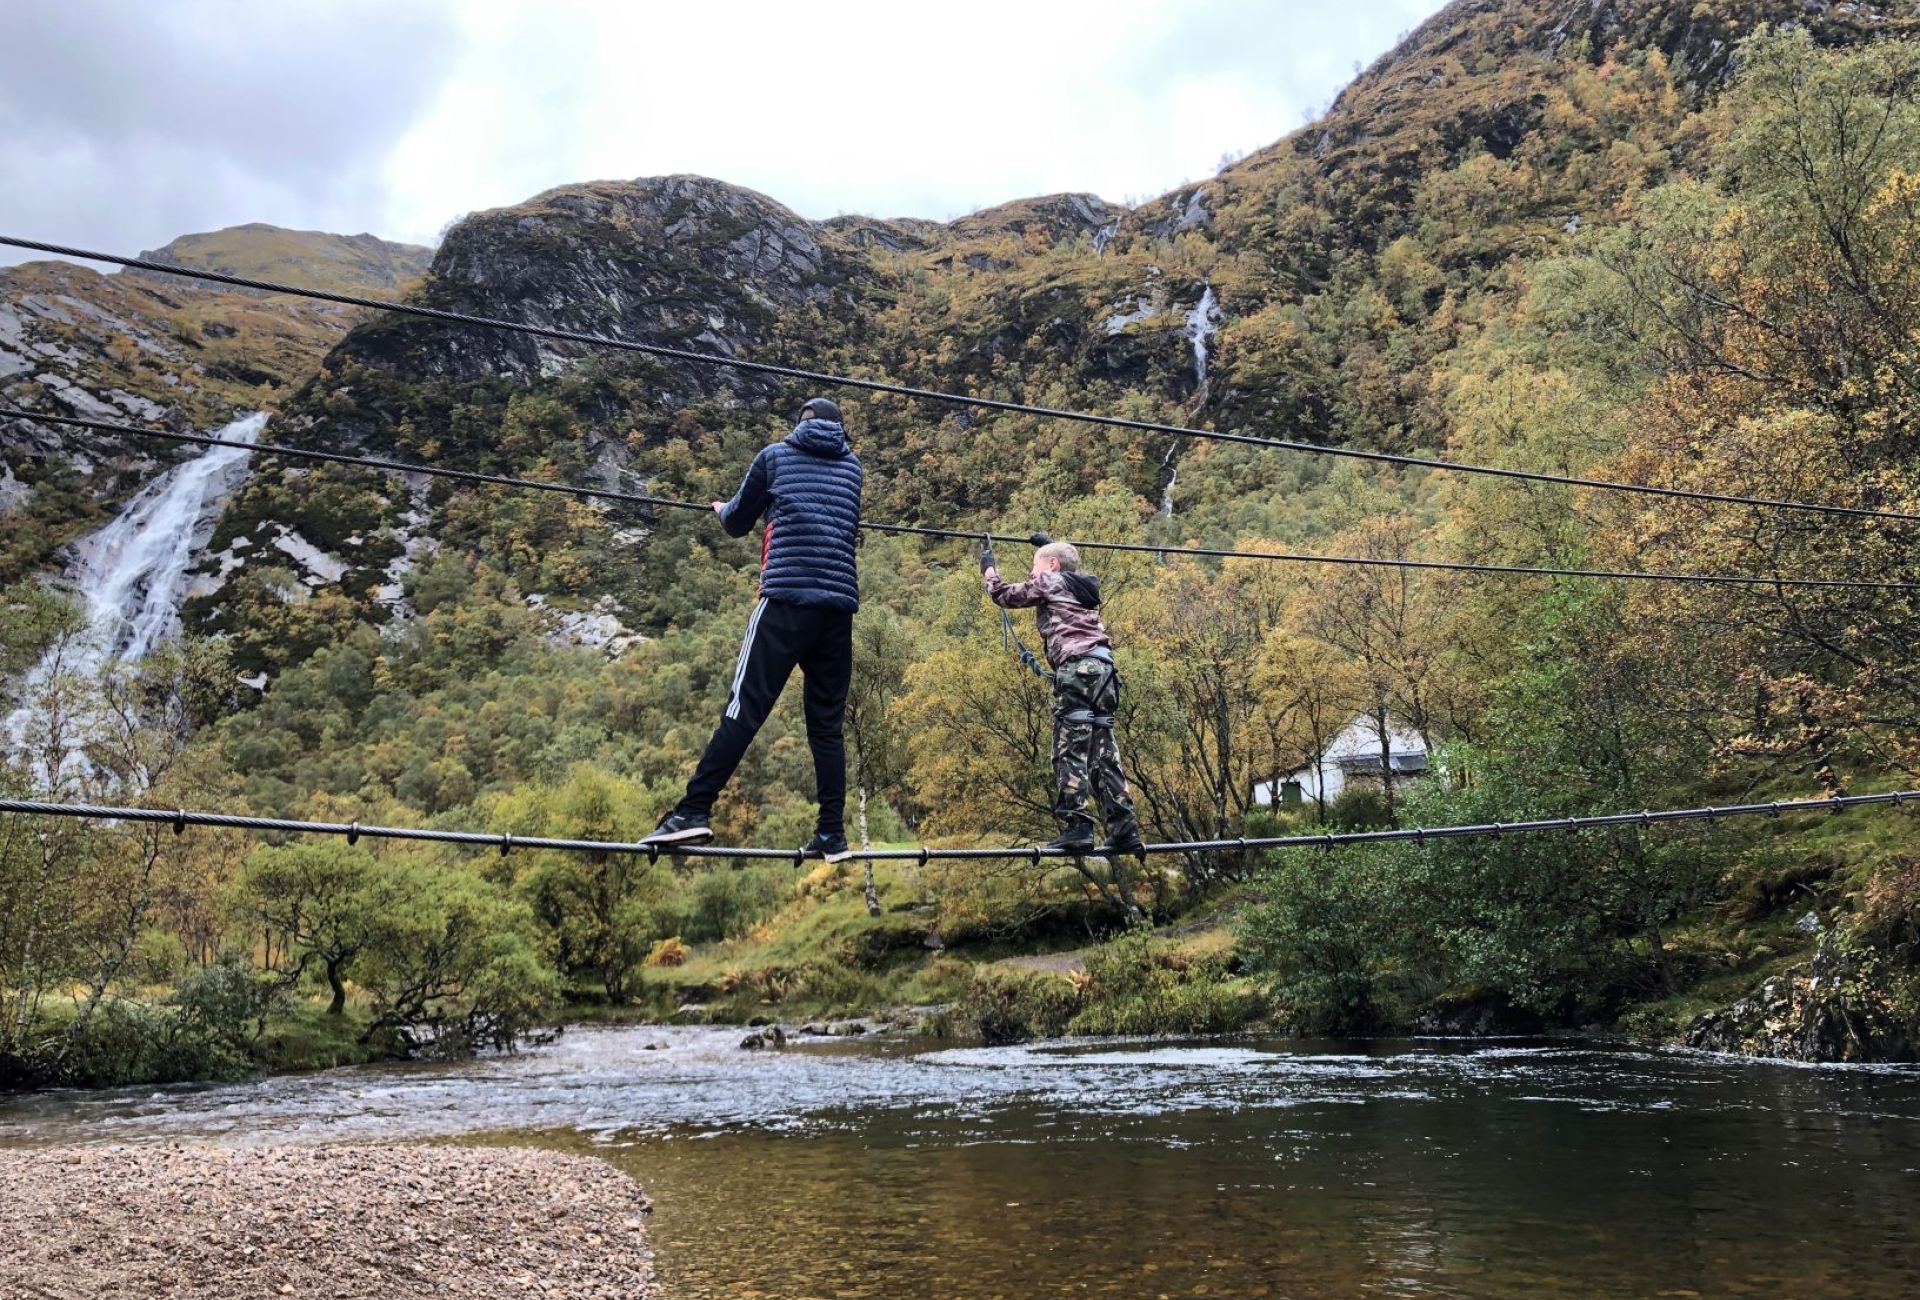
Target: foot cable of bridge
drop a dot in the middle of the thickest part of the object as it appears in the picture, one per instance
(178, 819)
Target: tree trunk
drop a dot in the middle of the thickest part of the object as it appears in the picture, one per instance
(339, 1004)
(866, 842)
(1662, 969)
(1386, 761)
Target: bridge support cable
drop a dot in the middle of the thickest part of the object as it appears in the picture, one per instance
(181, 818)
(819, 377)
(585, 492)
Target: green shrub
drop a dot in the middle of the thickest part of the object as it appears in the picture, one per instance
(725, 904)
(1011, 1007)
(228, 1002)
(1271, 823)
(132, 1043)
(1327, 942)
(1359, 809)
(1140, 985)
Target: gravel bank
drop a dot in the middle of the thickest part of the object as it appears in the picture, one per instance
(335, 1222)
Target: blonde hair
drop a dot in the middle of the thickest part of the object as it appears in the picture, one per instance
(1064, 552)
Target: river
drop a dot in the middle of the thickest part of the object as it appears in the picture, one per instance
(1248, 1167)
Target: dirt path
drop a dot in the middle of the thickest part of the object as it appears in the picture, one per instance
(341, 1223)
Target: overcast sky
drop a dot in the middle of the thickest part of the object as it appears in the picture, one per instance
(126, 122)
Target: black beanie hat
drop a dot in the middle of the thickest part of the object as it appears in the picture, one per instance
(821, 408)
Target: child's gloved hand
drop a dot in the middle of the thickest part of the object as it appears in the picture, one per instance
(1040, 539)
(986, 556)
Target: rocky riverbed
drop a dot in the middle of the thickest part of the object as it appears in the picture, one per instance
(338, 1222)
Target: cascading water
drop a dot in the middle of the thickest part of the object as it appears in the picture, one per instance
(1200, 327)
(132, 574)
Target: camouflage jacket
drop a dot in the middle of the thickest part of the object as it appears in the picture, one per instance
(1067, 606)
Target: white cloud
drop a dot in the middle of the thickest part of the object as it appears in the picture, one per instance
(397, 117)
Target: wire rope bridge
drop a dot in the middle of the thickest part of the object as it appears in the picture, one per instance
(181, 818)
(504, 842)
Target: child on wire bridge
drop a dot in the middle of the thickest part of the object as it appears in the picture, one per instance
(1086, 691)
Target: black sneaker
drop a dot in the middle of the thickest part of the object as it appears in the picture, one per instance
(1077, 840)
(831, 847)
(680, 828)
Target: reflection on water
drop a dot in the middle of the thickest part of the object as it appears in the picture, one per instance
(1252, 1168)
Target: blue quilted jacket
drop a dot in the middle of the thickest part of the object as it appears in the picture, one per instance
(808, 487)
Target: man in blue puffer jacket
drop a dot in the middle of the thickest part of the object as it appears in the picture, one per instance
(808, 487)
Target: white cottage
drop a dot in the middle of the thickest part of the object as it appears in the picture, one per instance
(1351, 758)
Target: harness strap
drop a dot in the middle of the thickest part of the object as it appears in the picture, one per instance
(1010, 640)
(1104, 720)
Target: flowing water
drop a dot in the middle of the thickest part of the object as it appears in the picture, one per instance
(132, 573)
(1241, 1168)
(1201, 323)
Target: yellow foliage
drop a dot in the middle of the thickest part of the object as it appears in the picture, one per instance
(668, 952)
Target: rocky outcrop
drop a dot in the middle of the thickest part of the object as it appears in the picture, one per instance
(1840, 1006)
(1051, 219)
(681, 261)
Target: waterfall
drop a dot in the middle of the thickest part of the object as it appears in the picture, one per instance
(132, 574)
(1200, 327)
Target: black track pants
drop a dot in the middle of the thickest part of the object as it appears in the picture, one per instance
(779, 638)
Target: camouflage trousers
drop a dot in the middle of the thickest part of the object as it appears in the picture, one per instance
(1086, 691)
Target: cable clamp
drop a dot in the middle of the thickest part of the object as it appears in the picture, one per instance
(1646, 818)
(1713, 813)
(1419, 835)
(1243, 844)
(506, 845)
(179, 820)
(923, 855)
(1036, 855)
(1573, 824)
(653, 853)
(799, 857)
(1499, 829)
(1326, 842)
(1773, 809)
(353, 834)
